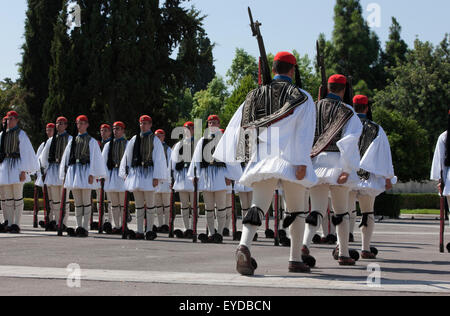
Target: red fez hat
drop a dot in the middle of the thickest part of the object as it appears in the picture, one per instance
(61, 119)
(145, 118)
(213, 118)
(338, 79)
(361, 99)
(119, 124)
(188, 124)
(12, 113)
(105, 126)
(82, 118)
(286, 57)
(160, 132)
(222, 130)
(50, 125)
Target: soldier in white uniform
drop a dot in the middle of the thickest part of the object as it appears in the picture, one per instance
(40, 175)
(114, 184)
(81, 165)
(376, 173)
(273, 131)
(162, 194)
(214, 178)
(17, 162)
(180, 161)
(143, 166)
(50, 159)
(336, 161)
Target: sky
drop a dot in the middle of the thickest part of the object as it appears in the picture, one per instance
(286, 25)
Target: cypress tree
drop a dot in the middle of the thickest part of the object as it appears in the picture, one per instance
(36, 62)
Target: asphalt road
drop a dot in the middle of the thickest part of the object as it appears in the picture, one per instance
(37, 263)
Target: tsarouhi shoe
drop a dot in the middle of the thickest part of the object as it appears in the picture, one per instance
(245, 264)
(298, 267)
(309, 260)
(14, 229)
(368, 255)
(346, 261)
(226, 232)
(150, 235)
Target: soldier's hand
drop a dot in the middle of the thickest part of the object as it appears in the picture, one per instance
(227, 181)
(91, 180)
(388, 184)
(155, 183)
(300, 174)
(22, 176)
(343, 178)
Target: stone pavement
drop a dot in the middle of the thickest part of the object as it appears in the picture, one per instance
(40, 263)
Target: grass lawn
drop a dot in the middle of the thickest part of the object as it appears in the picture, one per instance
(420, 211)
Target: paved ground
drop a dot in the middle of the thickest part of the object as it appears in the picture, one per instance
(36, 262)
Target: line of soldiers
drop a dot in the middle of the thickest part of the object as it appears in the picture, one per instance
(324, 150)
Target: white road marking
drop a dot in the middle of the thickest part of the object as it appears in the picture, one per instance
(226, 279)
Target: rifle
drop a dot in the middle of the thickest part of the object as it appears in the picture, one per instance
(236, 234)
(348, 97)
(62, 209)
(442, 217)
(264, 64)
(276, 219)
(35, 207)
(101, 206)
(195, 207)
(172, 209)
(126, 210)
(323, 90)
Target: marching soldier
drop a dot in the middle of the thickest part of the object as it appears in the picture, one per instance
(113, 153)
(162, 194)
(50, 159)
(276, 113)
(17, 161)
(214, 177)
(82, 164)
(376, 174)
(180, 161)
(145, 160)
(336, 160)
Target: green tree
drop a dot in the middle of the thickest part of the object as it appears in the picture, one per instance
(238, 96)
(396, 47)
(211, 100)
(407, 139)
(242, 65)
(40, 19)
(421, 88)
(61, 74)
(354, 49)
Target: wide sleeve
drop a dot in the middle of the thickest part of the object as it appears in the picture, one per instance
(169, 163)
(348, 145)
(97, 166)
(196, 159)
(127, 158)
(174, 159)
(65, 160)
(438, 158)
(227, 146)
(43, 157)
(378, 157)
(29, 161)
(159, 160)
(300, 142)
(38, 154)
(105, 153)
